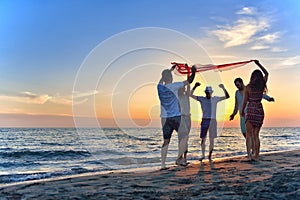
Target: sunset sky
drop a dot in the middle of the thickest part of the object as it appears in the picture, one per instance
(87, 63)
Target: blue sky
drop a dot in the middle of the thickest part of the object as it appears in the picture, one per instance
(44, 43)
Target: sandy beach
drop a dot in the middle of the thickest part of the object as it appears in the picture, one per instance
(275, 176)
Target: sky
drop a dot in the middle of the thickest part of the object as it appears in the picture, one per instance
(66, 63)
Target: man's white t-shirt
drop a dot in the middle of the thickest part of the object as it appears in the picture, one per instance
(168, 95)
(209, 106)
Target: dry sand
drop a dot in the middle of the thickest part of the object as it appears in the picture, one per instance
(275, 176)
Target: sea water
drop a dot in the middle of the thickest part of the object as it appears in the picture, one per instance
(38, 153)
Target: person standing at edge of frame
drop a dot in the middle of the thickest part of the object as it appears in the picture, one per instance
(254, 114)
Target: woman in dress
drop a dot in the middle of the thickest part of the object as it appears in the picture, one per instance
(254, 112)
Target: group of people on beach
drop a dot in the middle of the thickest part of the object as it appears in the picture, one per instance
(175, 112)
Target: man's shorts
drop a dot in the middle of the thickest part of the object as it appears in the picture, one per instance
(169, 125)
(208, 125)
(243, 124)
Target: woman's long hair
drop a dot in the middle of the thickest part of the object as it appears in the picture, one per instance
(257, 81)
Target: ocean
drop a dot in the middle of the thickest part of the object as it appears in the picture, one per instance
(39, 153)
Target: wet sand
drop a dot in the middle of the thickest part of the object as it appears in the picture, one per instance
(275, 176)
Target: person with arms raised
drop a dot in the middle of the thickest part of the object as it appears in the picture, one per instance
(209, 122)
(170, 110)
(254, 113)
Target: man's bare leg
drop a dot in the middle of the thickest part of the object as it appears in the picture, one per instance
(181, 149)
(211, 147)
(164, 151)
(203, 148)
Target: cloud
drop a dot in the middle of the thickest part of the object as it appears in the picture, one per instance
(247, 11)
(242, 32)
(75, 99)
(32, 98)
(251, 28)
(77, 94)
(278, 49)
(35, 99)
(109, 94)
(259, 47)
(290, 61)
(223, 56)
(67, 101)
(61, 100)
(27, 97)
(284, 63)
(270, 38)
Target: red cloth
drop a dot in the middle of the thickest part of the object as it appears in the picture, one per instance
(183, 68)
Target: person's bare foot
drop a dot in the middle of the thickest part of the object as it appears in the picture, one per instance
(250, 157)
(180, 162)
(164, 168)
(209, 157)
(255, 158)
